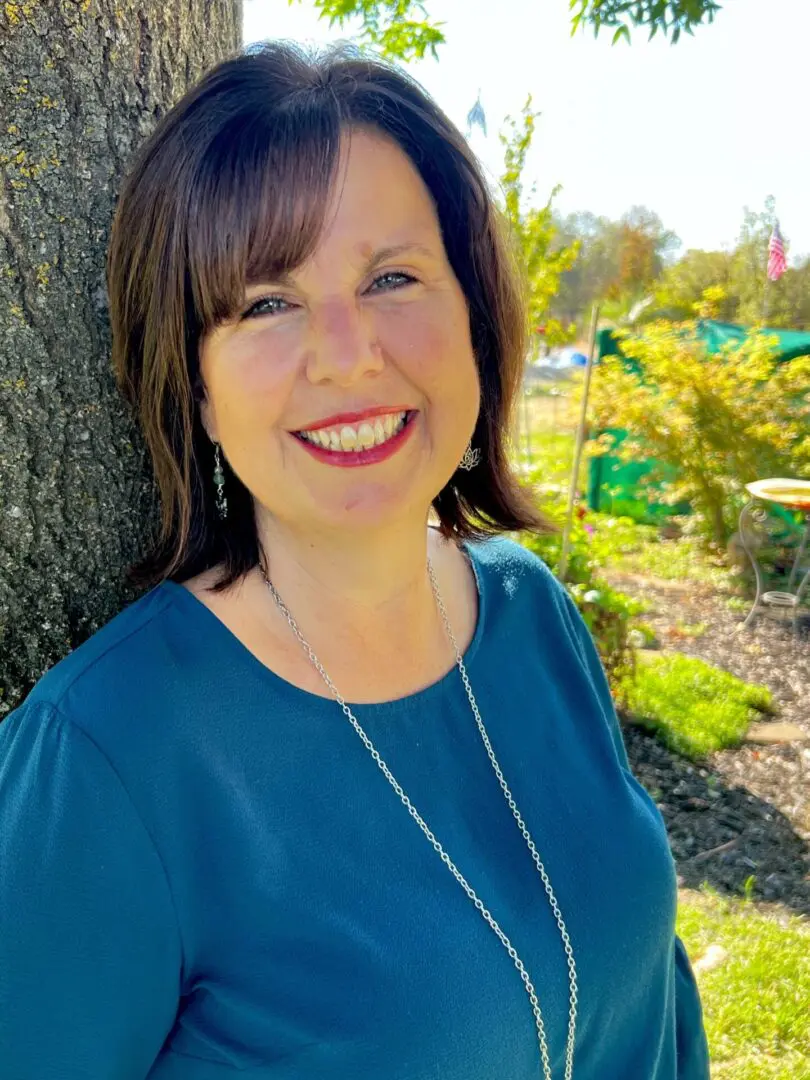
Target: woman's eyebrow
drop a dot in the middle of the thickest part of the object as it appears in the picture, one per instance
(285, 277)
(383, 254)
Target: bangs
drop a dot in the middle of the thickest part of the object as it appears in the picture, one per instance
(262, 193)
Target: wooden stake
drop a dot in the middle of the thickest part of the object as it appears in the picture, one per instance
(572, 487)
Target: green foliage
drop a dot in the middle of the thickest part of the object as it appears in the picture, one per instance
(669, 17)
(695, 708)
(541, 256)
(682, 286)
(782, 303)
(721, 420)
(755, 1002)
(607, 613)
(399, 29)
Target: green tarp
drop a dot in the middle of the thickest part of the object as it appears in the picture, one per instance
(792, 343)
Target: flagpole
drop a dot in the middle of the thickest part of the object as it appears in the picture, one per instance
(777, 265)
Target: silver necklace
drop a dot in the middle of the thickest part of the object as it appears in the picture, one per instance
(504, 940)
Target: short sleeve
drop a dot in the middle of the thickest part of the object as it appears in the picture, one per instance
(90, 957)
(690, 1035)
(589, 655)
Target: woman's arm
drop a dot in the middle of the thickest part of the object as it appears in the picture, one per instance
(90, 955)
(693, 1051)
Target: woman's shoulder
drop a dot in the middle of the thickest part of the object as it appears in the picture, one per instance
(523, 594)
(129, 652)
(513, 567)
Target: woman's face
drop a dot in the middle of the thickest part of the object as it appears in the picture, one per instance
(374, 320)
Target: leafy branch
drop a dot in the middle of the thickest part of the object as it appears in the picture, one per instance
(399, 29)
(669, 17)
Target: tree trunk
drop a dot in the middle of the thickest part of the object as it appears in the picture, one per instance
(82, 82)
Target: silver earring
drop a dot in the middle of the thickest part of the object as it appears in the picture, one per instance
(471, 459)
(219, 480)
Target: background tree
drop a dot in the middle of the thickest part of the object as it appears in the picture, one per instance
(682, 285)
(542, 256)
(81, 84)
(748, 297)
(618, 260)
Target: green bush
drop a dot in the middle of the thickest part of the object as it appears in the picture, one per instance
(720, 420)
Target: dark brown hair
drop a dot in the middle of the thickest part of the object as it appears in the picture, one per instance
(232, 187)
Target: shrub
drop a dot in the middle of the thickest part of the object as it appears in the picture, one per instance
(721, 420)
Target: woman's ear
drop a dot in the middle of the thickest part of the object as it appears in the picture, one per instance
(206, 411)
(207, 420)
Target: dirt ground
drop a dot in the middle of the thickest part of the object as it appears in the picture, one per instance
(742, 812)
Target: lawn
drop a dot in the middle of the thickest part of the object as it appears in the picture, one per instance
(755, 1002)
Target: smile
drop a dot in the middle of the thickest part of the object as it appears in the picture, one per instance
(364, 443)
(350, 438)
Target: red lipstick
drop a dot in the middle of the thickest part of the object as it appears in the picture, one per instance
(351, 459)
(354, 417)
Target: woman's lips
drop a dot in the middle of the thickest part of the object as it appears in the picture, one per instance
(349, 459)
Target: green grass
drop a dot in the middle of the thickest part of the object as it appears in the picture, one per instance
(694, 708)
(755, 1004)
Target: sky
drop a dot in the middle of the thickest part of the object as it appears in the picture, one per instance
(697, 132)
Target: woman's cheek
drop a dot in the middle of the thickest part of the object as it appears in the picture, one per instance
(267, 360)
(423, 341)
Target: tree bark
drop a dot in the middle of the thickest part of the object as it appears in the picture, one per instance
(82, 82)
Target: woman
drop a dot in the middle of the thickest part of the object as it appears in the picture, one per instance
(212, 864)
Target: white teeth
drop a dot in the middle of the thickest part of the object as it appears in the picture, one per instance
(348, 438)
(365, 436)
(353, 439)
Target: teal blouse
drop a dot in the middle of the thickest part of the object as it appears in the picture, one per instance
(206, 875)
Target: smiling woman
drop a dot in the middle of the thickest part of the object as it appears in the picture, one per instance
(304, 214)
(341, 795)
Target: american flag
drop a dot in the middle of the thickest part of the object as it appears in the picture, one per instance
(776, 255)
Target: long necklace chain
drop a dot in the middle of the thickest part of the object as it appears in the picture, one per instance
(507, 944)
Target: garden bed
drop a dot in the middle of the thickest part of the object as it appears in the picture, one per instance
(742, 812)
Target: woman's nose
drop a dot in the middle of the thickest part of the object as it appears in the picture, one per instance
(343, 344)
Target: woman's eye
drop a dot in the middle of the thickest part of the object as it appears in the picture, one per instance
(267, 305)
(391, 279)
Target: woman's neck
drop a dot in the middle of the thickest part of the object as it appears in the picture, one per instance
(368, 593)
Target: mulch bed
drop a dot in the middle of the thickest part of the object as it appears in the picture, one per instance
(754, 819)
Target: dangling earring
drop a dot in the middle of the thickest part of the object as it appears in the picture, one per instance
(219, 480)
(471, 458)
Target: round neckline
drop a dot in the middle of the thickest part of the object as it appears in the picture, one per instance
(260, 670)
